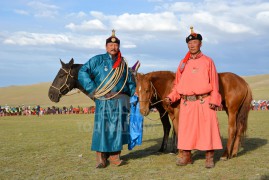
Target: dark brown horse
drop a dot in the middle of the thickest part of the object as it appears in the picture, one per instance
(67, 79)
(236, 99)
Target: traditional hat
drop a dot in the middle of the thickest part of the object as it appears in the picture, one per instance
(113, 38)
(193, 36)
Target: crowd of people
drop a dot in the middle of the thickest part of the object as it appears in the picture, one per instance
(260, 105)
(39, 111)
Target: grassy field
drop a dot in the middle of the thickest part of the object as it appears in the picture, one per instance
(58, 147)
(38, 94)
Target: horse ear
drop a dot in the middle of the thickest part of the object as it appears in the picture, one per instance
(71, 62)
(62, 63)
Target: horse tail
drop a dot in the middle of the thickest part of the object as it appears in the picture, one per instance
(243, 112)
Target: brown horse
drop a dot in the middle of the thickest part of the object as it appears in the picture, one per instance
(236, 99)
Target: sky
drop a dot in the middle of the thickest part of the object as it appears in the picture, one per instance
(36, 34)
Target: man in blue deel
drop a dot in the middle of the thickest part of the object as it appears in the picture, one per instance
(109, 82)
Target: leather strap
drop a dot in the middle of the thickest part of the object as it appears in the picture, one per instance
(194, 97)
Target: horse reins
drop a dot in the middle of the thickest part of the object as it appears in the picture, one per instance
(100, 91)
(155, 94)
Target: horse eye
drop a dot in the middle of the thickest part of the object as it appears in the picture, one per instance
(61, 75)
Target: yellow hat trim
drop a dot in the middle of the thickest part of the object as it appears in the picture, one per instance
(113, 33)
(191, 29)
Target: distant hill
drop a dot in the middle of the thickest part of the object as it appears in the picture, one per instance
(259, 85)
(38, 94)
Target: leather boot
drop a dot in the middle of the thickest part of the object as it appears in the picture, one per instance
(100, 160)
(114, 158)
(209, 162)
(179, 155)
(185, 159)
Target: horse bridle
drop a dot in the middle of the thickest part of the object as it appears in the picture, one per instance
(152, 104)
(65, 85)
(155, 95)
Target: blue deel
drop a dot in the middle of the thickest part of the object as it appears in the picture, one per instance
(111, 124)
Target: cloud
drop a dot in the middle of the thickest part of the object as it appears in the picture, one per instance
(174, 18)
(100, 15)
(21, 12)
(80, 14)
(129, 46)
(62, 40)
(165, 21)
(179, 7)
(25, 39)
(221, 16)
(88, 42)
(43, 10)
(263, 17)
(223, 25)
(208, 17)
(87, 25)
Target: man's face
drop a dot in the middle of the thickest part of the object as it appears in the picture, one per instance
(194, 46)
(112, 48)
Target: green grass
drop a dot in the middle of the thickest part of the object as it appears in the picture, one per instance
(58, 147)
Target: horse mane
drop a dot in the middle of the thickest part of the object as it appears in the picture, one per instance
(76, 67)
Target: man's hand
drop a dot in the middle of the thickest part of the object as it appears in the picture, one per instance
(167, 101)
(213, 106)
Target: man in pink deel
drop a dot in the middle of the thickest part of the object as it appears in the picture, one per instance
(196, 84)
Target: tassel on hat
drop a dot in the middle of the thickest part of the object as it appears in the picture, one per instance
(193, 36)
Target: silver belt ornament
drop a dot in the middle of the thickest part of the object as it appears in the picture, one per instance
(193, 98)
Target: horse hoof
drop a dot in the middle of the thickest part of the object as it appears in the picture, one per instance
(224, 158)
(158, 152)
(173, 151)
(161, 150)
